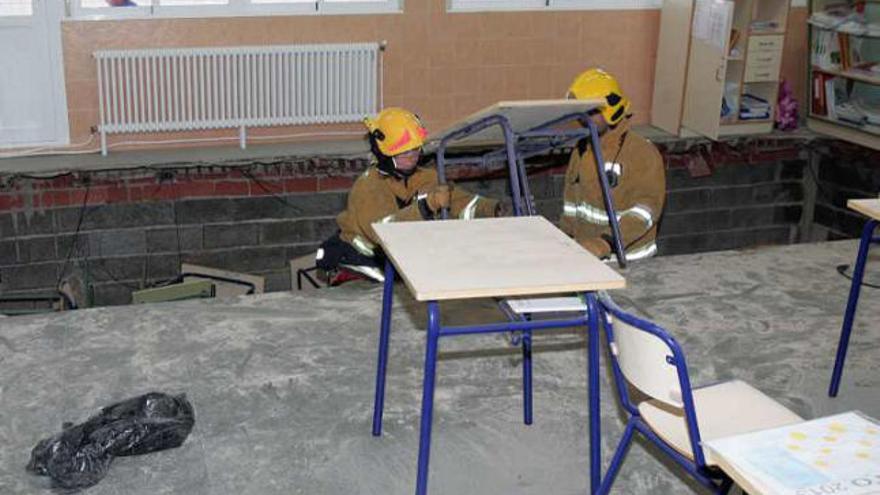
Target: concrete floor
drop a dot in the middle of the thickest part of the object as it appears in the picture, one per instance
(282, 383)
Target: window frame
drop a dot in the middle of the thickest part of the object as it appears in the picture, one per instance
(233, 8)
(463, 6)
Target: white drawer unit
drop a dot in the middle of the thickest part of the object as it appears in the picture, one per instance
(766, 43)
(761, 73)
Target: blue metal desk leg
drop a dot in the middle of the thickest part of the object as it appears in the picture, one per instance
(428, 396)
(593, 379)
(527, 376)
(382, 362)
(851, 305)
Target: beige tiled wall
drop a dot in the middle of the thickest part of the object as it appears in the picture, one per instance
(441, 65)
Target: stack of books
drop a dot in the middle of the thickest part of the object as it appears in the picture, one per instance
(754, 108)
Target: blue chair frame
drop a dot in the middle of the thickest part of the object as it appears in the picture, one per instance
(713, 479)
(852, 304)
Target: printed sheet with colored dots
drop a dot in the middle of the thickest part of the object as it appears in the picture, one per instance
(831, 455)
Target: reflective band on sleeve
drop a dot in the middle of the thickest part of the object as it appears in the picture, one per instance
(370, 271)
(363, 247)
(642, 212)
(470, 210)
(320, 254)
(591, 214)
(643, 252)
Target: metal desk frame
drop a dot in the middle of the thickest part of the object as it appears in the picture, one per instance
(517, 148)
(852, 303)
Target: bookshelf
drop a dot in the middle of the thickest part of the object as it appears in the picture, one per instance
(718, 66)
(844, 70)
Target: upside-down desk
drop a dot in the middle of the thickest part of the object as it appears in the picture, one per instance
(486, 258)
(513, 132)
(871, 209)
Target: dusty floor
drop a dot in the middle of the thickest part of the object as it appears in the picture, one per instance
(282, 383)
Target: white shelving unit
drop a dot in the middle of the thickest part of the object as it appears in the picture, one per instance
(840, 72)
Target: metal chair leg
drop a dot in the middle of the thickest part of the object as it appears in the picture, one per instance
(617, 460)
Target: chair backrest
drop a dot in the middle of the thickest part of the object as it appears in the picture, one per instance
(650, 359)
(646, 355)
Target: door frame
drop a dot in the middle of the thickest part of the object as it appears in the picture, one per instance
(52, 13)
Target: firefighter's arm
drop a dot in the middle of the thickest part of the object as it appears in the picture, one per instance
(425, 206)
(639, 220)
(466, 206)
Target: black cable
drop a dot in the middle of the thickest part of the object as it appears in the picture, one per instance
(815, 176)
(247, 173)
(79, 222)
(841, 269)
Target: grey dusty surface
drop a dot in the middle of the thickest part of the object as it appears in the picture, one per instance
(282, 383)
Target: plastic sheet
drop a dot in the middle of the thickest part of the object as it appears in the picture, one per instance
(81, 455)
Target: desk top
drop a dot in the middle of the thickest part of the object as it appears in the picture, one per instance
(808, 457)
(495, 257)
(869, 207)
(523, 116)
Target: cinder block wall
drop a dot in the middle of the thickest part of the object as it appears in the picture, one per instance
(844, 171)
(138, 226)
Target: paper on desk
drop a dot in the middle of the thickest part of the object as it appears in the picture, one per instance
(546, 305)
(831, 455)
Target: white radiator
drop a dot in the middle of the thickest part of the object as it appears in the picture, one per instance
(236, 87)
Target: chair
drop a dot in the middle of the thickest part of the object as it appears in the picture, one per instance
(676, 417)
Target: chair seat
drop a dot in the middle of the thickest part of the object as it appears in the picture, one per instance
(723, 410)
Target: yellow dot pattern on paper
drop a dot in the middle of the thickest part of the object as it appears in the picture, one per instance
(797, 436)
(825, 450)
(863, 455)
(821, 463)
(837, 428)
(866, 443)
(794, 447)
(872, 431)
(830, 438)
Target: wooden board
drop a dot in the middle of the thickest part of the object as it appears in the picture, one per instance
(844, 132)
(178, 292)
(670, 72)
(523, 115)
(495, 257)
(224, 289)
(867, 207)
(707, 73)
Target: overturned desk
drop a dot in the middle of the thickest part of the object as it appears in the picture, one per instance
(482, 259)
(513, 132)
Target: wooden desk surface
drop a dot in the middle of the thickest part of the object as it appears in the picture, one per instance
(868, 207)
(523, 116)
(497, 257)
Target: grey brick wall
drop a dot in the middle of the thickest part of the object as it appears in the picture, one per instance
(739, 205)
(128, 246)
(844, 172)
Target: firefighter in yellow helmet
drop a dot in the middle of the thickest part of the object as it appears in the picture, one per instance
(634, 169)
(398, 187)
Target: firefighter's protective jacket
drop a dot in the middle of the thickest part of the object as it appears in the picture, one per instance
(377, 197)
(637, 168)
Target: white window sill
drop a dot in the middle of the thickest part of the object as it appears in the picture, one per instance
(260, 10)
(458, 6)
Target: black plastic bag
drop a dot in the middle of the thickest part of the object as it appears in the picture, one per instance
(80, 455)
